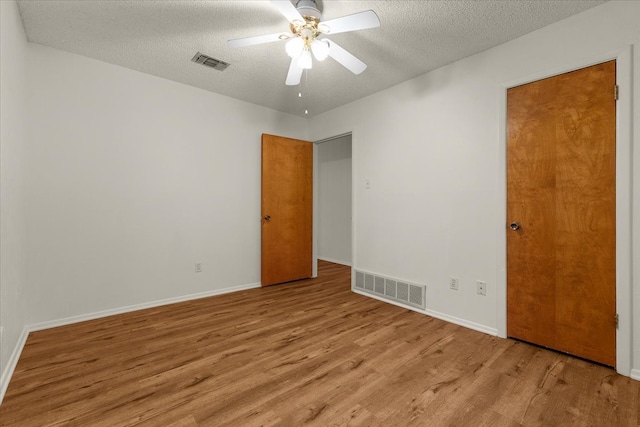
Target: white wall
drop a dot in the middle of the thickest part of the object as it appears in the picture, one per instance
(334, 200)
(133, 179)
(431, 148)
(13, 121)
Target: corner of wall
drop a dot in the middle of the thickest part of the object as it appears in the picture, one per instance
(11, 364)
(13, 138)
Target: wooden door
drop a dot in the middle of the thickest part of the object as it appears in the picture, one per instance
(287, 202)
(561, 190)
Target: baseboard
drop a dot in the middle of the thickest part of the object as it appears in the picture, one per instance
(335, 261)
(13, 362)
(447, 318)
(635, 374)
(462, 322)
(136, 307)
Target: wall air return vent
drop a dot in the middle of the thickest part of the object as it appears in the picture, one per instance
(391, 289)
(208, 61)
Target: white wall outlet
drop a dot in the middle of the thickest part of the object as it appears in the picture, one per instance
(453, 283)
(481, 287)
(198, 267)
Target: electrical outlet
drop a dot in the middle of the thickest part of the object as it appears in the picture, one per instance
(198, 267)
(453, 283)
(481, 287)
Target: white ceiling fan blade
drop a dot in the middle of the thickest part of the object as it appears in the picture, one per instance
(287, 9)
(357, 21)
(295, 73)
(346, 59)
(250, 41)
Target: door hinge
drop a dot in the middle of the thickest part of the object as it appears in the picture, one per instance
(616, 92)
(617, 320)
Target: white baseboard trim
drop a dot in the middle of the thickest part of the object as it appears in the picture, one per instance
(447, 318)
(335, 261)
(462, 322)
(635, 374)
(136, 307)
(17, 351)
(13, 362)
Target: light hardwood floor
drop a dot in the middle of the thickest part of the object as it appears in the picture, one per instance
(304, 353)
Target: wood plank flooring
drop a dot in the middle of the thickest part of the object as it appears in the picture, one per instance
(305, 353)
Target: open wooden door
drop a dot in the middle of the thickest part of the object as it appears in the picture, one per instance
(287, 209)
(561, 205)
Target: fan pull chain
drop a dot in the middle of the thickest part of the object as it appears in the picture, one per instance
(306, 89)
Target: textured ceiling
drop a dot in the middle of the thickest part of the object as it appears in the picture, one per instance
(161, 37)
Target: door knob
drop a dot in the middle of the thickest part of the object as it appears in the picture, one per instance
(267, 218)
(515, 226)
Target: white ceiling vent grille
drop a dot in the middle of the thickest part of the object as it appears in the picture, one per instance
(208, 61)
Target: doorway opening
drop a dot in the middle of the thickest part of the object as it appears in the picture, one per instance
(334, 199)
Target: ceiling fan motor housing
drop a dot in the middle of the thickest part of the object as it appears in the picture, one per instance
(309, 8)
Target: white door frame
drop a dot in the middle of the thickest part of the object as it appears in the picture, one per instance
(624, 125)
(314, 271)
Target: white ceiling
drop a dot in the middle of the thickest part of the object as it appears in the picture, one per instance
(161, 37)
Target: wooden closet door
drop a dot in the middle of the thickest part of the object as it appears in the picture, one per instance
(561, 194)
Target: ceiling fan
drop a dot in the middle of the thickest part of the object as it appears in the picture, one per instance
(305, 29)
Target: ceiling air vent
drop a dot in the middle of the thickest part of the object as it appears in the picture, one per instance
(208, 61)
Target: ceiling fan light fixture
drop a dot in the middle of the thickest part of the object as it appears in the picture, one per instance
(306, 26)
(294, 47)
(320, 49)
(305, 62)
